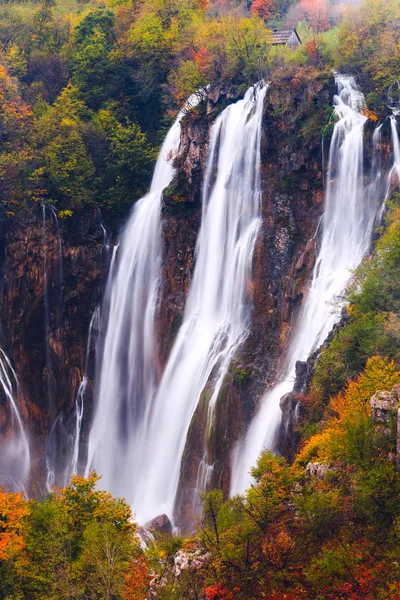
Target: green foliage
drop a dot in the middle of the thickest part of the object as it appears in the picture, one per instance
(90, 62)
(369, 41)
(79, 543)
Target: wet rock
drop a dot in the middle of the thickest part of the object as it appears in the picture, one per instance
(76, 268)
(398, 441)
(160, 524)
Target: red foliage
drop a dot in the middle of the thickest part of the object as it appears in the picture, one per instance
(316, 14)
(218, 592)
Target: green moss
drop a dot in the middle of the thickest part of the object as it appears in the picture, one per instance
(242, 376)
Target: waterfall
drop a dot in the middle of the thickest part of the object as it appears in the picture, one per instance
(216, 316)
(128, 374)
(73, 467)
(14, 444)
(350, 209)
(106, 247)
(52, 317)
(396, 145)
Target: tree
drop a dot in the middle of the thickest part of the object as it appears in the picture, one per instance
(369, 40)
(90, 61)
(316, 14)
(14, 511)
(261, 8)
(105, 560)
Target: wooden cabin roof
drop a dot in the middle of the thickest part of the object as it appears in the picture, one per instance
(281, 36)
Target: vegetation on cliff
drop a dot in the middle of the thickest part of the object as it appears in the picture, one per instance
(87, 90)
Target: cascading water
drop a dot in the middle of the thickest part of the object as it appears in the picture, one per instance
(139, 432)
(14, 444)
(216, 316)
(128, 373)
(350, 209)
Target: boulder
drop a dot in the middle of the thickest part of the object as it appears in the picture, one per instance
(384, 405)
(317, 469)
(160, 524)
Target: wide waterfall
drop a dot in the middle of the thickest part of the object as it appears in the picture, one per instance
(350, 209)
(139, 433)
(128, 373)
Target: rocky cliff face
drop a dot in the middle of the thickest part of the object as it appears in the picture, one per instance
(292, 162)
(52, 275)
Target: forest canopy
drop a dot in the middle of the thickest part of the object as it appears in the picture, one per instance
(88, 90)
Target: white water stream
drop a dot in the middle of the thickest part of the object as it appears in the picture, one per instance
(128, 373)
(216, 316)
(14, 443)
(350, 209)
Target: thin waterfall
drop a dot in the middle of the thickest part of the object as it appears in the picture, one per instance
(217, 312)
(14, 444)
(128, 374)
(50, 478)
(396, 144)
(74, 465)
(394, 172)
(106, 247)
(52, 317)
(46, 311)
(350, 209)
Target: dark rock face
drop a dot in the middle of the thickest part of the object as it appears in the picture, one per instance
(60, 265)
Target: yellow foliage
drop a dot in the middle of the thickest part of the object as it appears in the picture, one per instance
(350, 406)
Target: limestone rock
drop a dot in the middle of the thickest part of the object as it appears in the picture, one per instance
(383, 405)
(185, 560)
(317, 469)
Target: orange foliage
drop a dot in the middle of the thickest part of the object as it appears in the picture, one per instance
(202, 58)
(261, 8)
(372, 116)
(137, 581)
(379, 374)
(13, 512)
(277, 546)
